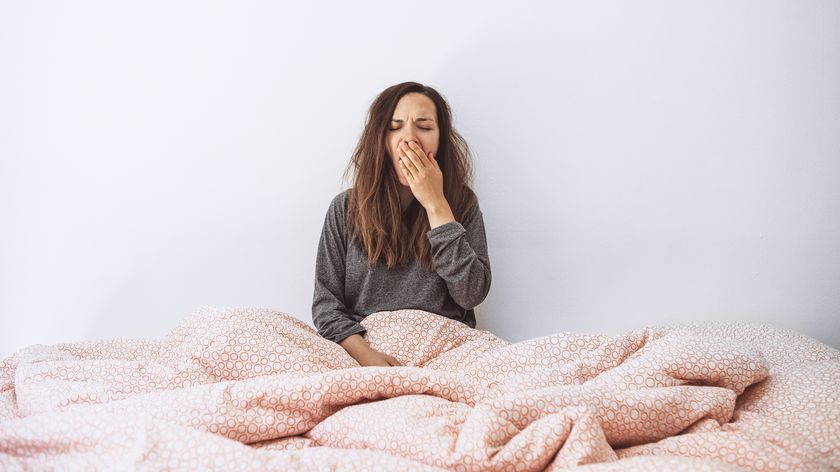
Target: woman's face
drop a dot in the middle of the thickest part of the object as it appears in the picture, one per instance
(414, 120)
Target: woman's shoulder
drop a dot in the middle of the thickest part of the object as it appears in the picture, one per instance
(338, 210)
(339, 201)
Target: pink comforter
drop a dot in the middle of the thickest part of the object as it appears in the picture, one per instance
(257, 389)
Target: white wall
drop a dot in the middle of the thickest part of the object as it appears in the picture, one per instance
(638, 163)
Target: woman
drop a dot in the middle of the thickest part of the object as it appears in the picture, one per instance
(409, 233)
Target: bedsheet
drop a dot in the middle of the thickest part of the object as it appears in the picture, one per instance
(257, 388)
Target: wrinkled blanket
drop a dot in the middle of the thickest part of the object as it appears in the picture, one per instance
(246, 389)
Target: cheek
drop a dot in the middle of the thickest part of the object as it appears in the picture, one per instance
(432, 145)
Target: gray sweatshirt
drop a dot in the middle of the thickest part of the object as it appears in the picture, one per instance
(348, 287)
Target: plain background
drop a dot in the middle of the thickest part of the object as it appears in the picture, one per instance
(637, 163)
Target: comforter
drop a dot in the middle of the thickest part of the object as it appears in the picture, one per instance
(256, 388)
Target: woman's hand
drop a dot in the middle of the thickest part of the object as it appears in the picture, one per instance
(376, 358)
(359, 349)
(423, 175)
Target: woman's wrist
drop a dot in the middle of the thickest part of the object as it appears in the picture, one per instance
(355, 345)
(439, 214)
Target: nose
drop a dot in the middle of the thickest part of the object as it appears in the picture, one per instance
(409, 133)
(408, 138)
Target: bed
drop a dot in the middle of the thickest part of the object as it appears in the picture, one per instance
(256, 388)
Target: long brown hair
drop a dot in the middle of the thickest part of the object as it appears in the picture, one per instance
(374, 213)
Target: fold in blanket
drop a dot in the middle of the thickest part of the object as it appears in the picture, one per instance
(258, 388)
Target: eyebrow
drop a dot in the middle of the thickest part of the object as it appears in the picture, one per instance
(422, 118)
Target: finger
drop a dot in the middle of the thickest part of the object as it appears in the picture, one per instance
(413, 158)
(408, 169)
(409, 163)
(429, 159)
(417, 153)
(417, 168)
(433, 160)
(404, 170)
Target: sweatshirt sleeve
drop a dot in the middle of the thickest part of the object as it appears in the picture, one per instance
(459, 253)
(329, 312)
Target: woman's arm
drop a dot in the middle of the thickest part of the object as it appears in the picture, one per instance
(330, 315)
(359, 349)
(459, 252)
(356, 346)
